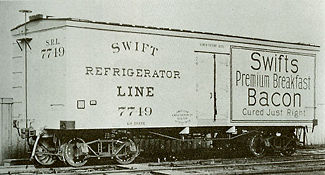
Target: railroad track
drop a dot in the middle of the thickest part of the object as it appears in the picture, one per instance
(301, 162)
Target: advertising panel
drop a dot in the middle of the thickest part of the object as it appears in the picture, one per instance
(272, 85)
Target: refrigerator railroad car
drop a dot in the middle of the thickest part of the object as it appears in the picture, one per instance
(94, 89)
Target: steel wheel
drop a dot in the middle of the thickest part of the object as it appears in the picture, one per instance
(43, 154)
(75, 152)
(127, 153)
(289, 149)
(257, 145)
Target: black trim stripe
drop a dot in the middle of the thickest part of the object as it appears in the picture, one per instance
(272, 121)
(41, 30)
(17, 72)
(272, 51)
(14, 57)
(230, 103)
(217, 53)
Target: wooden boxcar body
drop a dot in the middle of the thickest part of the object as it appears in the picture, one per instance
(85, 75)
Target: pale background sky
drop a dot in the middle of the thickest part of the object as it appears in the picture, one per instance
(285, 20)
